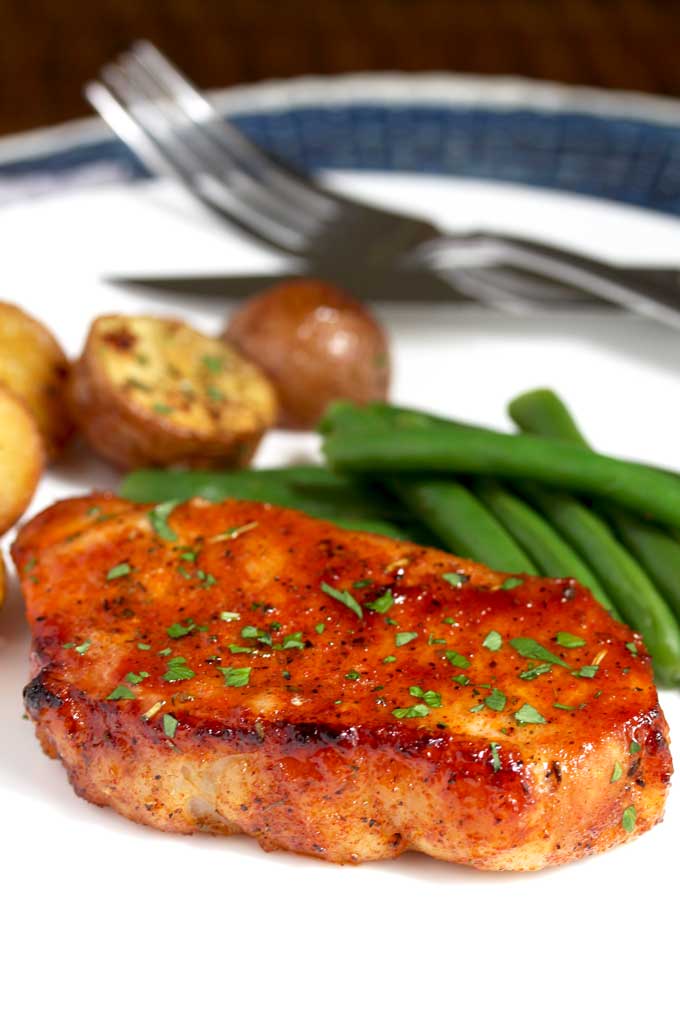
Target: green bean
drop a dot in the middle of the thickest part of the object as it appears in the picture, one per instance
(449, 510)
(450, 448)
(658, 551)
(310, 488)
(462, 523)
(551, 554)
(630, 587)
(542, 413)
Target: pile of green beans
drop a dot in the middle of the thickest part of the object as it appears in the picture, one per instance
(535, 502)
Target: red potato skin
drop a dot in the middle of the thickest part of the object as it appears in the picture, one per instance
(316, 344)
(315, 762)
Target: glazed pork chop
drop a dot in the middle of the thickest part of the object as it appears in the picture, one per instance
(237, 667)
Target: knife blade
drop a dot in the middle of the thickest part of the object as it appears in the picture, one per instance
(403, 287)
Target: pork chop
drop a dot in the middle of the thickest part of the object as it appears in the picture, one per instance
(237, 667)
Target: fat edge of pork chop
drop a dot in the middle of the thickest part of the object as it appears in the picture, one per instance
(243, 668)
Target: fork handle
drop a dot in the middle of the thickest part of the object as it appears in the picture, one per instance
(647, 297)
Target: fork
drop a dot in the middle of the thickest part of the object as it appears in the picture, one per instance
(178, 133)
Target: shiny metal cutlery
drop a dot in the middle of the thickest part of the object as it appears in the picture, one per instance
(496, 286)
(176, 132)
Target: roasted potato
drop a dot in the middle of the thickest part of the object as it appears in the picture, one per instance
(34, 367)
(154, 391)
(22, 456)
(316, 344)
(3, 580)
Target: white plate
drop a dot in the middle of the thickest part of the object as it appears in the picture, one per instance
(101, 916)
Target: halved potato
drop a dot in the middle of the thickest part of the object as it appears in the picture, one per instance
(154, 391)
(34, 367)
(22, 456)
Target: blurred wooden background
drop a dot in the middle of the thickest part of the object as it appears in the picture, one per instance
(48, 48)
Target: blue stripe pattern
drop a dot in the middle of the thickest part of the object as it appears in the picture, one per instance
(625, 160)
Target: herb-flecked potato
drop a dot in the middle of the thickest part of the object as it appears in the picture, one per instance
(316, 343)
(34, 367)
(148, 390)
(22, 457)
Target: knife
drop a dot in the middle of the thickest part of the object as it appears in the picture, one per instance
(499, 286)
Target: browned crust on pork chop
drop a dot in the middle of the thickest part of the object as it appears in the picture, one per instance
(301, 748)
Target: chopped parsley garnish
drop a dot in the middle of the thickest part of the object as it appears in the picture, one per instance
(617, 772)
(120, 570)
(390, 658)
(213, 364)
(142, 647)
(588, 672)
(159, 520)
(496, 700)
(235, 676)
(477, 708)
(632, 647)
(628, 818)
(191, 555)
(461, 679)
(455, 580)
(177, 670)
(431, 698)
(178, 630)
(170, 725)
(165, 651)
(319, 628)
(530, 649)
(214, 394)
(432, 640)
(162, 409)
(254, 632)
(457, 660)
(121, 693)
(228, 617)
(539, 670)
(135, 678)
(242, 650)
(495, 757)
(291, 641)
(493, 641)
(207, 579)
(365, 582)
(413, 712)
(510, 583)
(345, 597)
(69, 644)
(81, 649)
(404, 636)
(565, 708)
(567, 640)
(352, 675)
(382, 603)
(528, 714)
(634, 747)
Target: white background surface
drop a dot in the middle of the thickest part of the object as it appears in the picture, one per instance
(103, 918)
